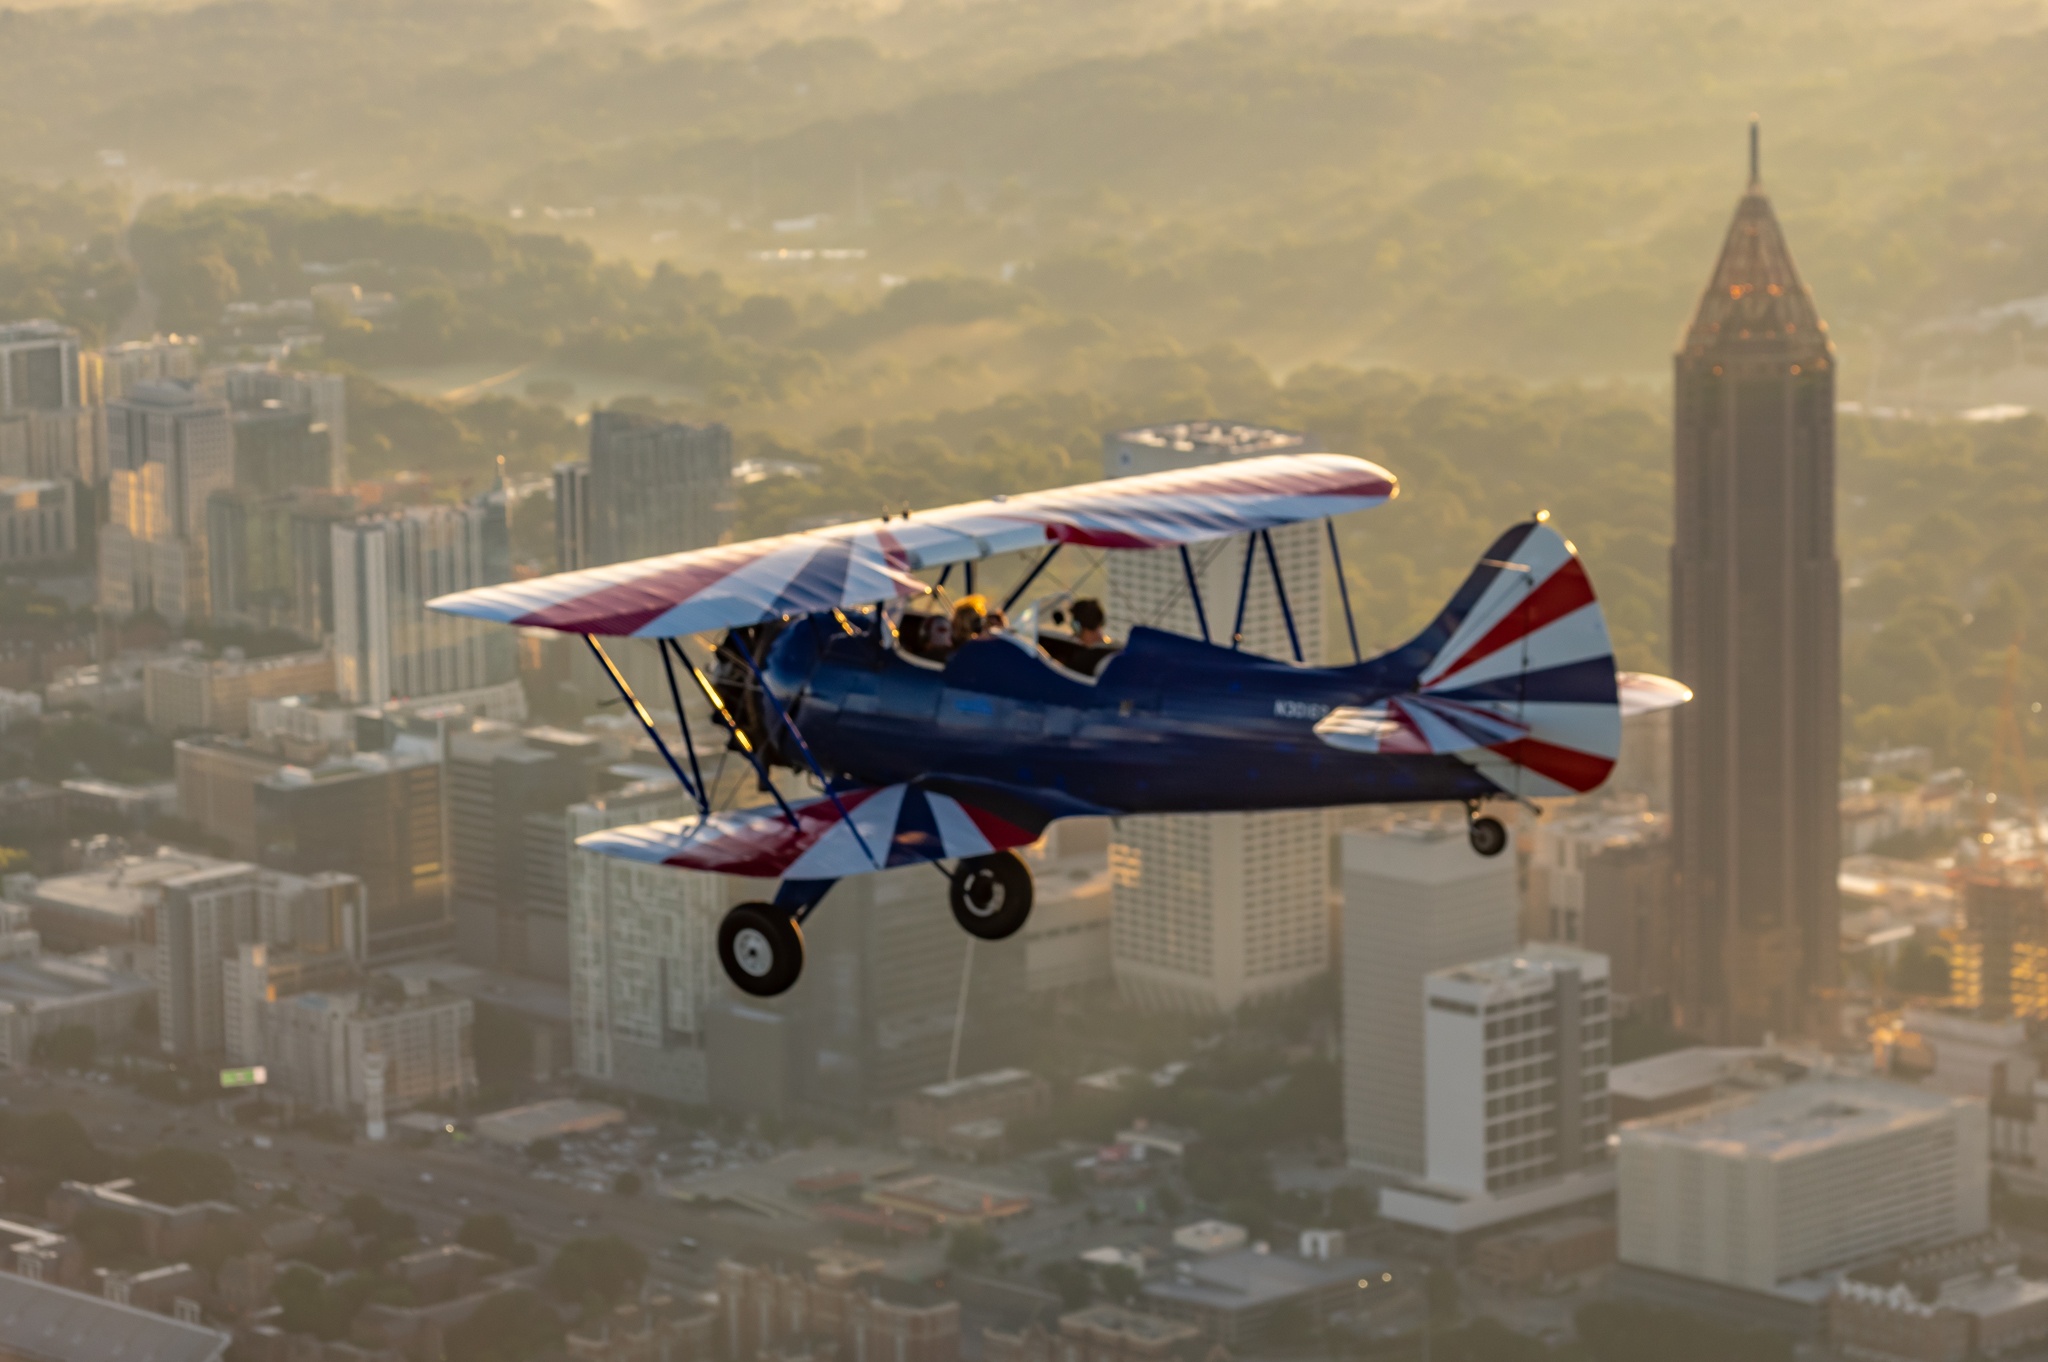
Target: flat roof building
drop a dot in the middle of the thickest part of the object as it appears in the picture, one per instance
(52, 1324)
(1238, 1298)
(1754, 1192)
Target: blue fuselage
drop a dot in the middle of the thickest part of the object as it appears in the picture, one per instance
(1170, 724)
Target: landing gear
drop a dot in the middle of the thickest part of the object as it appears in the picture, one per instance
(1489, 835)
(991, 895)
(761, 948)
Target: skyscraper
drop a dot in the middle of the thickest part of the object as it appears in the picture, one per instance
(49, 403)
(1214, 910)
(1756, 632)
(387, 567)
(170, 448)
(650, 487)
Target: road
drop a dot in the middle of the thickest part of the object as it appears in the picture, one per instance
(465, 1180)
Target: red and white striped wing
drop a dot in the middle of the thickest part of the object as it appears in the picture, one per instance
(899, 824)
(733, 585)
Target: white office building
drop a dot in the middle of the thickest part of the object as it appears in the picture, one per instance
(1215, 910)
(1755, 1192)
(323, 1048)
(1516, 1052)
(643, 955)
(387, 644)
(1417, 899)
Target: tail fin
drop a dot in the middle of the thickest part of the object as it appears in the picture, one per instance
(1523, 641)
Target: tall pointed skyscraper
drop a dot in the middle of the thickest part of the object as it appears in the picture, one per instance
(1756, 632)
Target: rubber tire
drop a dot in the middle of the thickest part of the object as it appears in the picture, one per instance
(991, 895)
(1489, 836)
(761, 948)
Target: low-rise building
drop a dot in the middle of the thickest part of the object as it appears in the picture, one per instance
(659, 1329)
(519, 1127)
(111, 904)
(50, 1323)
(42, 994)
(1753, 1193)
(1237, 1299)
(167, 1231)
(844, 1302)
(946, 1201)
(937, 1114)
(1543, 1254)
(1693, 1077)
(1101, 1333)
(1957, 1300)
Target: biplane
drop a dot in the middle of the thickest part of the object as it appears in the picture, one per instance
(825, 657)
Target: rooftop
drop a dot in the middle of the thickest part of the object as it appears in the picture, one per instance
(38, 1320)
(30, 983)
(546, 1120)
(975, 1083)
(1797, 1120)
(1678, 1072)
(127, 888)
(1532, 966)
(1135, 1325)
(1248, 1278)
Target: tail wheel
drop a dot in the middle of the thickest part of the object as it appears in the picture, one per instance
(761, 948)
(1489, 836)
(991, 895)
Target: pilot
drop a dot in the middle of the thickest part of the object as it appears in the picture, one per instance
(1088, 622)
(937, 641)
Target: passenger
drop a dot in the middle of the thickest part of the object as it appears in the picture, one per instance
(1088, 621)
(969, 618)
(995, 622)
(937, 643)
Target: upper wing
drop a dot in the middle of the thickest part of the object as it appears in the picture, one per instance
(733, 585)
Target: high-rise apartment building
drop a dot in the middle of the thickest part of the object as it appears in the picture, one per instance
(38, 520)
(643, 958)
(170, 448)
(1754, 1192)
(1215, 910)
(1516, 1052)
(407, 1042)
(204, 920)
(270, 558)
(49, 404)
(1416, 900)
(499, 776)
(572, 516)
(1756, 633)
(291, 429)
(387, 644)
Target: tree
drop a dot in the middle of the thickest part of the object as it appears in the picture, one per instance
(608, 1268)
(1119, 1283)
(492, 1233)
(1073, 1283)
(1063, 1181)
(176, 1176)
(544, 1150)
(511, 1326)
(626, 1184)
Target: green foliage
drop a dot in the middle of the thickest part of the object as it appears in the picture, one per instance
(176, 1176)
(544, 1150)
(385, 1227)
(606, 1267)
(57, 256)
(1118, 1282)
(1071, 1281)
(1621, 1331)
(1486, 1340)
(52, 1142)
(68, 1047)
(971, 1246)
(310, 1305)
(69, 745)
(511, 1326)
(492, 1233)
(626, 1184)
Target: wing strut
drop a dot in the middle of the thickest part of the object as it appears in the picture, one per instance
(1244, 590)
(675, 694)
(1280, 590)
(1187, 565)
(604, 660)
(1343, 591)
(746, 748)
(1032, 575)
(747, 656)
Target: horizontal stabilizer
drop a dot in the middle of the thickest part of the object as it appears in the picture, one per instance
(1416, 724)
